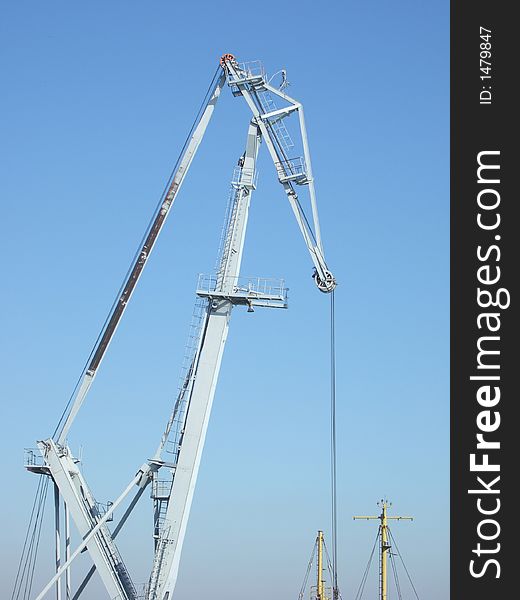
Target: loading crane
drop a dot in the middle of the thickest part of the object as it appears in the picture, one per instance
(172, 480)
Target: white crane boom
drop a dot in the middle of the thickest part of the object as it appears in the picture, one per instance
(142, 257)
(219, 307)
(217, 297)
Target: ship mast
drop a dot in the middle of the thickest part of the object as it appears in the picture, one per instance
(384, 544)
(320, 584)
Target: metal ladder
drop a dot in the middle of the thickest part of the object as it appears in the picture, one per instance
(187, 376)
(229, 235)
(108, 547)
(152, 590)
(277, 124)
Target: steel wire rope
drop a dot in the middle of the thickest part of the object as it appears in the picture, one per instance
(361, 588)
(187, 401)
(332, 565)
(28, 557)
(279, 150)
(404, 566)
(261, 110)
(329, 566)
(154, 215)
(24, 547)
(329, 562)
(334, 515)
(287, 160)
(37, 545)
(28, 566)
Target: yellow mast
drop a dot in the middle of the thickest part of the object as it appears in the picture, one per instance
(385, 545)
(320, 587)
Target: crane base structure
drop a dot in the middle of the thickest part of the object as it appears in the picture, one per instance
(172, 482)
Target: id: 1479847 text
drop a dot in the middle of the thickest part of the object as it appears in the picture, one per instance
(485, 65)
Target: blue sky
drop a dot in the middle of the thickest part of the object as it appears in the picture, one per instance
(97, 100)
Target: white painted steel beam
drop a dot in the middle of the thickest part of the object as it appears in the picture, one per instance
(88, 538)
(312, 238)
(140, 262)
(82, 507)
(167, 558)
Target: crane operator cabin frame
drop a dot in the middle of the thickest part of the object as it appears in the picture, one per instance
(172, 479)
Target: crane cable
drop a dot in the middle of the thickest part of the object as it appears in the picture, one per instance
(331, 564)
(334, 515)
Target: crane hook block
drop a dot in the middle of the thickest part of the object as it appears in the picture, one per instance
(226, 58)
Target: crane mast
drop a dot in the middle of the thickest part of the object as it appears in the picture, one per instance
(220, 303)
(173, 481)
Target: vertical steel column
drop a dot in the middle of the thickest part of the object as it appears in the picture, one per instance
(67, 551)
(87, 539)
(57, 537)
(169, 547)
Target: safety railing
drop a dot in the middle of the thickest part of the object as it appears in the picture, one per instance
(243, 176)
(102, 508)
(251, 72)
(293, 169)
(248, 285)
(32, 458)
(314, 593)
(161, 489)
(250, 291)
